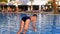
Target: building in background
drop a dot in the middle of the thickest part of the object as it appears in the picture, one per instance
(45, 4)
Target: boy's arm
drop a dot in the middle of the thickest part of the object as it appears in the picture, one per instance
(34, 25)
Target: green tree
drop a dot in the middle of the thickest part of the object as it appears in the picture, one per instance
(3, 0)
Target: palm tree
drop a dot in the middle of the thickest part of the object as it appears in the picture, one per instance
(55, 6)
(31, 4)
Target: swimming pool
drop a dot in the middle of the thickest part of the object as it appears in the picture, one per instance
(46, 24)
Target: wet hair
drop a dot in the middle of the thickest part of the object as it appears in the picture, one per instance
(35, 15)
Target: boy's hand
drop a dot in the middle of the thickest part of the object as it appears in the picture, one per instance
(35, 29)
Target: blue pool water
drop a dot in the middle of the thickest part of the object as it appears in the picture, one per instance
(46, 24)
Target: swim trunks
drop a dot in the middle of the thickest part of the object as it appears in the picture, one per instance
(25, 18)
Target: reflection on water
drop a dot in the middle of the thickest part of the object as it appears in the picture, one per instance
(46, 24)
(50, 24)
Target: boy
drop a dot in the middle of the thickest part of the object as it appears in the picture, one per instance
(25, 22)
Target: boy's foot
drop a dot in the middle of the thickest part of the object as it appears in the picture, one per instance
(21, 33)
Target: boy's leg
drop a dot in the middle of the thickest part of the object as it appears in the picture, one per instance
(21, 27)
(26, 26)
